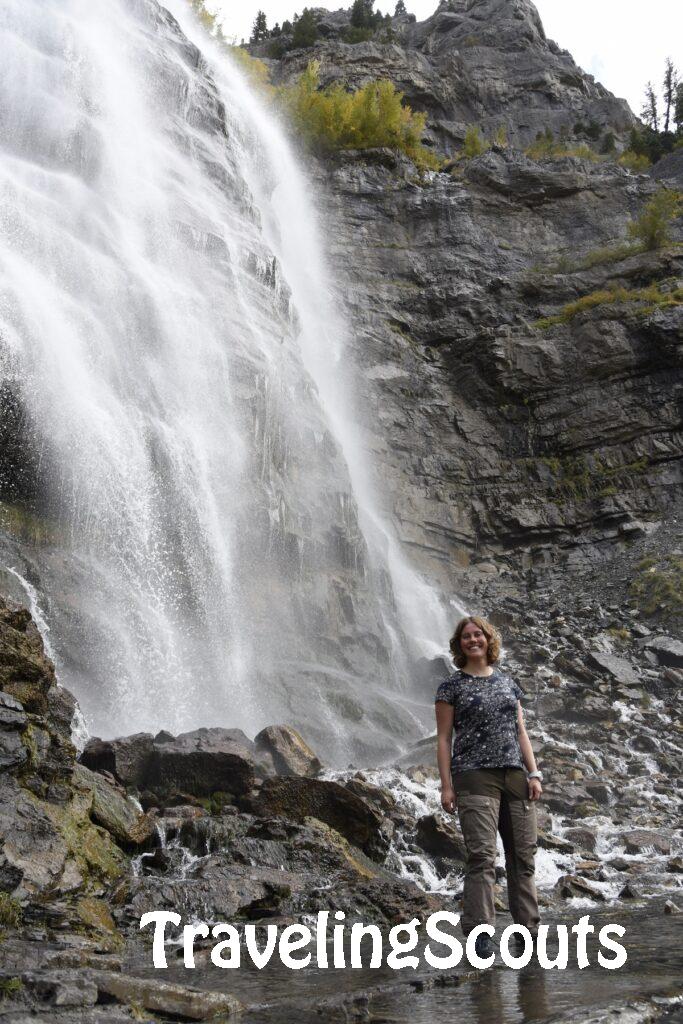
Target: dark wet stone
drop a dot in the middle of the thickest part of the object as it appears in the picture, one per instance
(128, 758)
(439, 838)
(203, 762)
(352, 817)
(642, 841)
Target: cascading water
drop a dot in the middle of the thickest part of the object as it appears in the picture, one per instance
(209, 550)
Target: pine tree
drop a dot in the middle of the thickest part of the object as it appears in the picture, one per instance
(400, 9)
(678, 109)
(305, 30)
(362, 15)
(670, 89)
(260, 29)
(649, 113)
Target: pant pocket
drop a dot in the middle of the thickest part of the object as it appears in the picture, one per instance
(478, 816)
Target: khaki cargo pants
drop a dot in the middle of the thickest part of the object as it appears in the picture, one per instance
(494, 800)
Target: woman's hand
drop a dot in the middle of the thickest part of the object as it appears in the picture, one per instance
(534, 787)
(448, 799)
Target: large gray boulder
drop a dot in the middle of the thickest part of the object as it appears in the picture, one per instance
(290, 753)
(115, 810)
(202, 762)
(301, 798)
(667, 650)
(127, 758)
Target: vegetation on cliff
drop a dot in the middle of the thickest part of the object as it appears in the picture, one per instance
(333, 118)
(373, 116)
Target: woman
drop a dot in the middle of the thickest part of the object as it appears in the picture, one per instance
(484, 776)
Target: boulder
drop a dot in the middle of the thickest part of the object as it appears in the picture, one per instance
(381, 799)
(298, 798)
(439, 838)
(128, 758)
(26, 673)
(114, 810)
(618, 668)
(570, 886)
(547, 841)
(160, 997)
(13, 721)
(584, 838)
(667, 650)
(290, 753)
(599, 792)
(203, 762)
(643, 841)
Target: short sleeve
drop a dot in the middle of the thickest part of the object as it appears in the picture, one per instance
(518, 692)
(445, 692)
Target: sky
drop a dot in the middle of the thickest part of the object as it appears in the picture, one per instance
(611, 39)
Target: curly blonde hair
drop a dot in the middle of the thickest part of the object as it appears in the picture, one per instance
(490, 632)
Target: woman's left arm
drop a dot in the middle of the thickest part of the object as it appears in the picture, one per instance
(535, 788)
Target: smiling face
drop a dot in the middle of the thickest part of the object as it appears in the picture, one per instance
(474, 641)
(475, 638)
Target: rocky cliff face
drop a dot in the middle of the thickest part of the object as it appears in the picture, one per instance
(484, 62)
(503, 428)
(495, 435)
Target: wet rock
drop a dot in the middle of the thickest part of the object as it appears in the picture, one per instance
(675, 865)
(599, 792)
(570, 886)
(13, 720)
(160, 997)
(299, 798)
(643, 841)
(619, 864)
(630, 892)
(203, 762)
(128, 758)
(671, 908)
(381, 799)
(546, 841)
(114, 810)
(290, 753)
(25, 672)
(585, 838)
(59, 989)
(439, 838)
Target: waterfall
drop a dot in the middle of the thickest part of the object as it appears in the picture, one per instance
(210, 548)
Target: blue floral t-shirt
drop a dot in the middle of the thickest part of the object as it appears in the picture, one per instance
(485, 720)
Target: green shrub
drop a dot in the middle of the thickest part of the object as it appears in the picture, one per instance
(651, 228)
(354, 34)
(609, 143)
(501, 137)
(651, 297)
(474, 144)
(10, 987)
(10, 911)
(637, 162)
(547, 148)
(373, 116)
(658, 586)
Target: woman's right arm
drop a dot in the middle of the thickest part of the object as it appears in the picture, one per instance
(444, 735)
